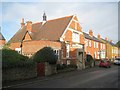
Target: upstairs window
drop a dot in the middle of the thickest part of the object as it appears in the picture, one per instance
(90, 45)
(101, 45)
(75, 37)
(96, 44)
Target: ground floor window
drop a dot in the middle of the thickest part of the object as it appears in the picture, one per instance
(67, 50)
(57, 52)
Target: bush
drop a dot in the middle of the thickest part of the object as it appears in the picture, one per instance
(89, 58)
(12, 59)
(46, 54)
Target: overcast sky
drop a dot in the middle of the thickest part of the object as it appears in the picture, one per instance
(102, 17)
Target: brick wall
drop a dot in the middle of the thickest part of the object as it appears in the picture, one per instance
(30, 47)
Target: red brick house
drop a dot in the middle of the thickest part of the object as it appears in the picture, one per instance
(63, 34)
(94, 46)
(2, 41)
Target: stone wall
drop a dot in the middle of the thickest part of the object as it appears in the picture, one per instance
(50, 69)
(18, 73)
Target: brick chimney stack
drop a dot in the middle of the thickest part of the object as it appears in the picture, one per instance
(29, 26)
(111, 41)
(106, 39)
(99, 36)
(90, 32)
(22, 23)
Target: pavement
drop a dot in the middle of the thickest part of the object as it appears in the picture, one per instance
(63, 77)
(44, 78)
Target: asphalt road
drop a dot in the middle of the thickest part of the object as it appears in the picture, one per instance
(89, 78)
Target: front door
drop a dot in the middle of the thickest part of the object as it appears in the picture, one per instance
(79, 59)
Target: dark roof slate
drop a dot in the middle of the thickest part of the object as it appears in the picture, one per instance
(111, 43)
(91, 38)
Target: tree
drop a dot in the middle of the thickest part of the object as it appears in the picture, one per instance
(118, 43)
(46, 54)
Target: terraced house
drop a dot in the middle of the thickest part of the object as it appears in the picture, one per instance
(94, 46)
(111, 49)
(63, 34)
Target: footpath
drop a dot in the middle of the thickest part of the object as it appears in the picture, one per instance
(54, 76)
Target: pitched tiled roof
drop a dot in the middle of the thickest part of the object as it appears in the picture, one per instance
(111, 43)
(1, 36)
(91, 38)
(51, 30)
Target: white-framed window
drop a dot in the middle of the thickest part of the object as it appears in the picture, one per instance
(67, 50)
(96, 44)
(57, 52)
(75, 37)
(101, 45)
(90, 43)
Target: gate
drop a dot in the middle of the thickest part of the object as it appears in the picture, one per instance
(40, 69)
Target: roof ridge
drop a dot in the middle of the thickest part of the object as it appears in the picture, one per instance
(61, 17)
(54, 19)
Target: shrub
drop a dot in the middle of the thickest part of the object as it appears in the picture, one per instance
(89, 58)
(12, 59)
(46, 54)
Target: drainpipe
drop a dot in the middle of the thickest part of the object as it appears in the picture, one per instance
(83, 62)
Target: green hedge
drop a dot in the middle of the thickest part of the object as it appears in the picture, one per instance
(12, 59)
(46, 54)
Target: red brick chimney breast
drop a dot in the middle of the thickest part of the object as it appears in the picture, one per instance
(90, 32)
(29, 26)
(99, 36)
(110, 40)
(106, 39)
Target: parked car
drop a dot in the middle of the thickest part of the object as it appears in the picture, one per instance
(117, 61)
(105, 63)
